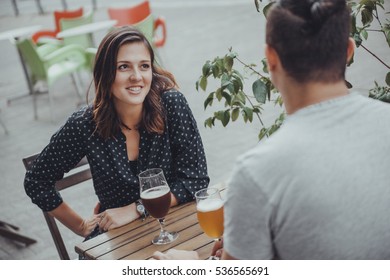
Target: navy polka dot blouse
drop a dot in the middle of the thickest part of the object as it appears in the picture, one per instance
(178, 151)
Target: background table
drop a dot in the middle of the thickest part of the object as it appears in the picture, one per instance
(133, 241)
(89, 29)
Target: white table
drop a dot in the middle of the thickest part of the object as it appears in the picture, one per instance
(14, 35)
(89, 28)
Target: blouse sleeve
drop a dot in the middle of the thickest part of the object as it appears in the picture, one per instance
(64, 151)
(190, 167)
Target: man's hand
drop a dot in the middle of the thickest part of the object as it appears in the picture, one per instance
(217, 249)
(173, 254)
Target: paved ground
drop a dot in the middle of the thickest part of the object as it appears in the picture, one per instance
(197, 31)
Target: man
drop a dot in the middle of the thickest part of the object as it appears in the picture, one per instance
(319, 188)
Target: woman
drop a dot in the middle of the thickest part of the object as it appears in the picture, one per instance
(138, 120)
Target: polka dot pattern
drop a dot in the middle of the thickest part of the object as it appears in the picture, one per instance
(178, 151)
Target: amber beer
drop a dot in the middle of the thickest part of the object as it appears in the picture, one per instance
(157, 201)
(210, 216)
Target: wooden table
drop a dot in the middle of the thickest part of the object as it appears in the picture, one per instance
(134, 241)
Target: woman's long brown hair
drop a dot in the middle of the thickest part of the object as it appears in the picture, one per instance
(104, 113)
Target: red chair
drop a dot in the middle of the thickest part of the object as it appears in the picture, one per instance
(58, 15)
(130, 15)
(135, 14)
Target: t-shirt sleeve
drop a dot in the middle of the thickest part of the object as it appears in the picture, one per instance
(247, 213)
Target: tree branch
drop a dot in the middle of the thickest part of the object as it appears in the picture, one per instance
(374, 55)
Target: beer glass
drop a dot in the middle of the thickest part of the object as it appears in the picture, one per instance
(156, 197)
(209, 208)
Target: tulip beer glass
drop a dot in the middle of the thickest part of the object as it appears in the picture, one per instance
(209, 207)
(156, 197)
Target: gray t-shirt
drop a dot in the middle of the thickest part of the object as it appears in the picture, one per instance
(319, 188)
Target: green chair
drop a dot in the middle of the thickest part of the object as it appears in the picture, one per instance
(84, 40)
(49, 63)
(146, 26)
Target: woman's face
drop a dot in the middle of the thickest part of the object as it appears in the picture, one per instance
(133, 77)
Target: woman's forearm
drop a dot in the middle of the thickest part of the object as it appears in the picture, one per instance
(69, 218)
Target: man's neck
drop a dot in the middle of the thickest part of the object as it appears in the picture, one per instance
(296, 96)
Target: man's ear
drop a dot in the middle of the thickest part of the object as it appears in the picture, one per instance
(350, 49)
(272, 57)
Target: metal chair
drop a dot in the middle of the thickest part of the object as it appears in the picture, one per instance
(49, 67)
(58, 15)
(80, 173)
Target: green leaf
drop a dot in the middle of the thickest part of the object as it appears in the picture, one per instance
(226, 118)
(247, 114)
(263, 133)
(386, 30)
(209, 100)
(265, 65)
(364, 33)
(257, 4)
(349, 85)
(227, 97)
(223, 116)
(266, 8)
(218, 94)
(236, 86)
(353, 24)
(260, 91)
(241, 97)
(358, 39)
(235, 114)
(225, 81)
(206, 68)
(203, 83)
(215, 70)
(228, 62)
(367, 16)
(232, 54)
(209, 122)
(388, 78)
(197, 85)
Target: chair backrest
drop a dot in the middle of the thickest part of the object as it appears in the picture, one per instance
(84, 40)
(80, 173)
(129, 15)
(32, 59)
(66, 14)
(58, 15)
(141, 17)
(146, 26)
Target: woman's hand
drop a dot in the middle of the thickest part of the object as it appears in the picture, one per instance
(88, 225)
(116, 217)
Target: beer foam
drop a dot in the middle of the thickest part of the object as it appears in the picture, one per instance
(155, 192)
(209, 204)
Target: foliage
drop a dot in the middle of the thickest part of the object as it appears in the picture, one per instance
(238, 102)
(364, 14)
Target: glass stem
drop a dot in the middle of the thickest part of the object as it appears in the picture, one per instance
(161, 222)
